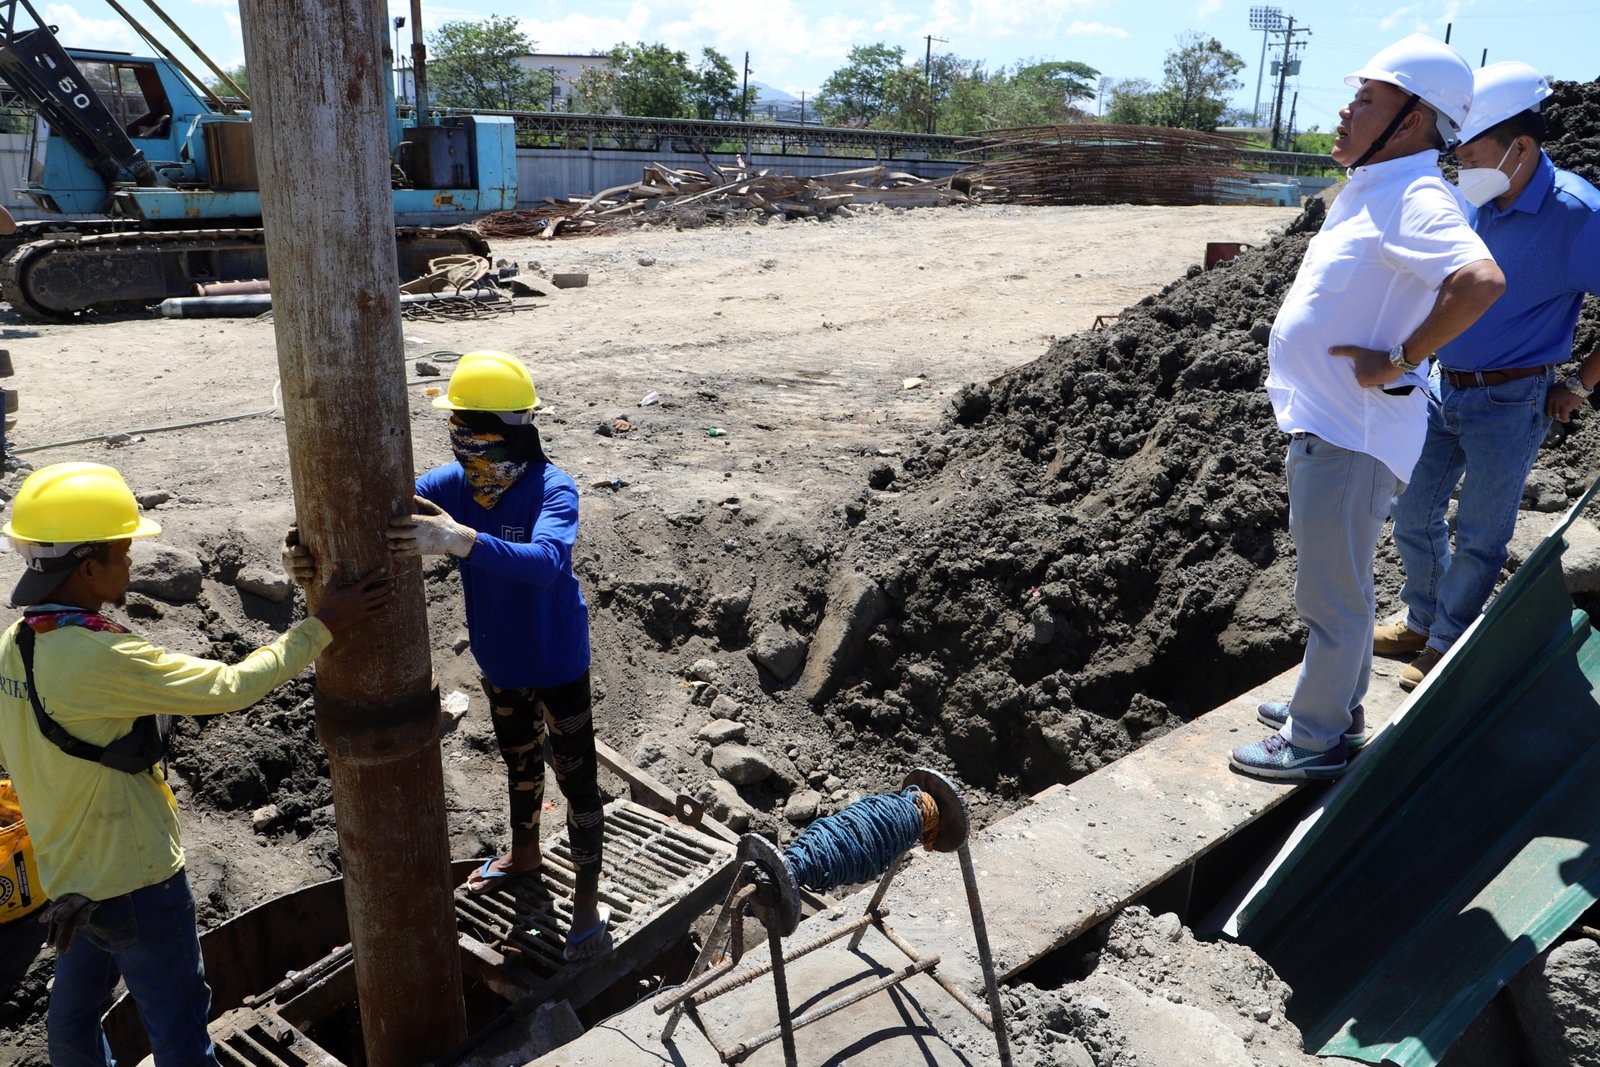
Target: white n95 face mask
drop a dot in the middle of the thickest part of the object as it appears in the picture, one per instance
(1479, 185)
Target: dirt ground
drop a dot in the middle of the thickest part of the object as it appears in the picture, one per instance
(824, 351)
(942, 521)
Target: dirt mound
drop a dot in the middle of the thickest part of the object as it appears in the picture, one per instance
(1095, 547)
(1155, 995)
(1574, 115)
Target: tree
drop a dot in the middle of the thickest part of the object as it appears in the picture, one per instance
(652, 80)
(1199, 78)
(1134, 102)
(475, 65)
(858, 92)
(1028, 94)
(240, 77)
(714, 87)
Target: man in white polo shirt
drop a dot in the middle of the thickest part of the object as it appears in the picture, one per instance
(1395, 273)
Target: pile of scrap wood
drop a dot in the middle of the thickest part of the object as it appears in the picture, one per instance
(686, 198)
(1099, 164)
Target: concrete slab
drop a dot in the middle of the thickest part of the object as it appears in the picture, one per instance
(908, 1025)
(1046, 874)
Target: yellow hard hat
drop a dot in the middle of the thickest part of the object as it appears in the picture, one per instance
(489, 381)
(69, 503)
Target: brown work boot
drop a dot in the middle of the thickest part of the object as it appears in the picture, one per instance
(1397, 639)
(1418, 669)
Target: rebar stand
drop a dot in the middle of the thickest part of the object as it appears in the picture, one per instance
(765, 888)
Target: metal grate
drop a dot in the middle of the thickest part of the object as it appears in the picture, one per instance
(249, 1037)
(649, 864)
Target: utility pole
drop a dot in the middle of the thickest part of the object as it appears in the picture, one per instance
(419, 64)
(927, 69)
(1285, 68)
(322, 152)
(553, 72)
(802, 107)
(744, 94)
(1265, 19)
(1288, 139)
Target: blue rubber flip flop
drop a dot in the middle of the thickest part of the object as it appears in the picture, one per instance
(575, 951)
(487, 876)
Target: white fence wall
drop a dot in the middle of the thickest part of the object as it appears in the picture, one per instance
(541, 172)
(544, 173)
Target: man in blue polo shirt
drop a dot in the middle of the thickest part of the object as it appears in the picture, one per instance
(1499, 382)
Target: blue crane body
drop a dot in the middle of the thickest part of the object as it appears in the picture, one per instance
(154, 175)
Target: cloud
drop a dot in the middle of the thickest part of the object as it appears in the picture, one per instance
(1094, 29)
(579, 34)
(1208, 8)
(80, 32)
(1040, 20)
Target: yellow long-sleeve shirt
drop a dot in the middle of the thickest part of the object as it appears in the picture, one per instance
(103, 832)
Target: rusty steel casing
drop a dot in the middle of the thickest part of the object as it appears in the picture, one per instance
(322, 154)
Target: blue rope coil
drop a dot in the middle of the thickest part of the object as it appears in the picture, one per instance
(858, 844)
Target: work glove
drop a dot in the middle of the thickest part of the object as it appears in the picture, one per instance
(430, 532)
(297, 561)
(65, 918)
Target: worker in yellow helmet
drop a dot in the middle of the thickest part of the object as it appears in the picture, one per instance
(79, 700)
(510, 517)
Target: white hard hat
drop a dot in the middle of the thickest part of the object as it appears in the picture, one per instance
(1500, 91)
(1430, 69)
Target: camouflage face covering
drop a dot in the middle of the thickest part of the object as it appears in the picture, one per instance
(486, 457)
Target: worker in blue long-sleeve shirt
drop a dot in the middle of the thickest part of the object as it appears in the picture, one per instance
(510, 517)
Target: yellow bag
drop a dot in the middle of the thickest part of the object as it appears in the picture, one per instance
(19, 877)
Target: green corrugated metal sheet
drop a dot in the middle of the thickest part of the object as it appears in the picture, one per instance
(1461, 843)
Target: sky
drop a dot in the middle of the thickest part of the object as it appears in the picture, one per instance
(795, 44)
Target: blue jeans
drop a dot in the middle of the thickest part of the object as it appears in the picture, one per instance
(1338, 500)
(1485, 438)
(148, 937)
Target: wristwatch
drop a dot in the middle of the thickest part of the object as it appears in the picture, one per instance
(1398, 360)
(1574, 385)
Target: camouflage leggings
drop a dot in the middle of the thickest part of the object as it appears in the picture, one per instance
(522, 718)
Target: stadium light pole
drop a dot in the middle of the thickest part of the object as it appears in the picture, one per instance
(399, 65)
(1265, 19)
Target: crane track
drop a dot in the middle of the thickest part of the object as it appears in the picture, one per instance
(55, 278)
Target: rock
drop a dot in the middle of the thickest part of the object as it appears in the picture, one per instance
(721, 731)
(1071, 1053)
(647, 261)
(704, 670)
(263, 817)
(163, 571)
(725, 707)
(1557, 1001)
(1544, 491)
(153, 499)
(779, 652)
(727, 806)
(269, 583)
(1581, 561)
(647, 752)
(802, 806)
(741, 764)
(856, 604)
(1168, 927)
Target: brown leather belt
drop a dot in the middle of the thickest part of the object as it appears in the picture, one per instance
(1473, 379)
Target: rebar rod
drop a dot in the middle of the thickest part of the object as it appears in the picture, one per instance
(744, 1048)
